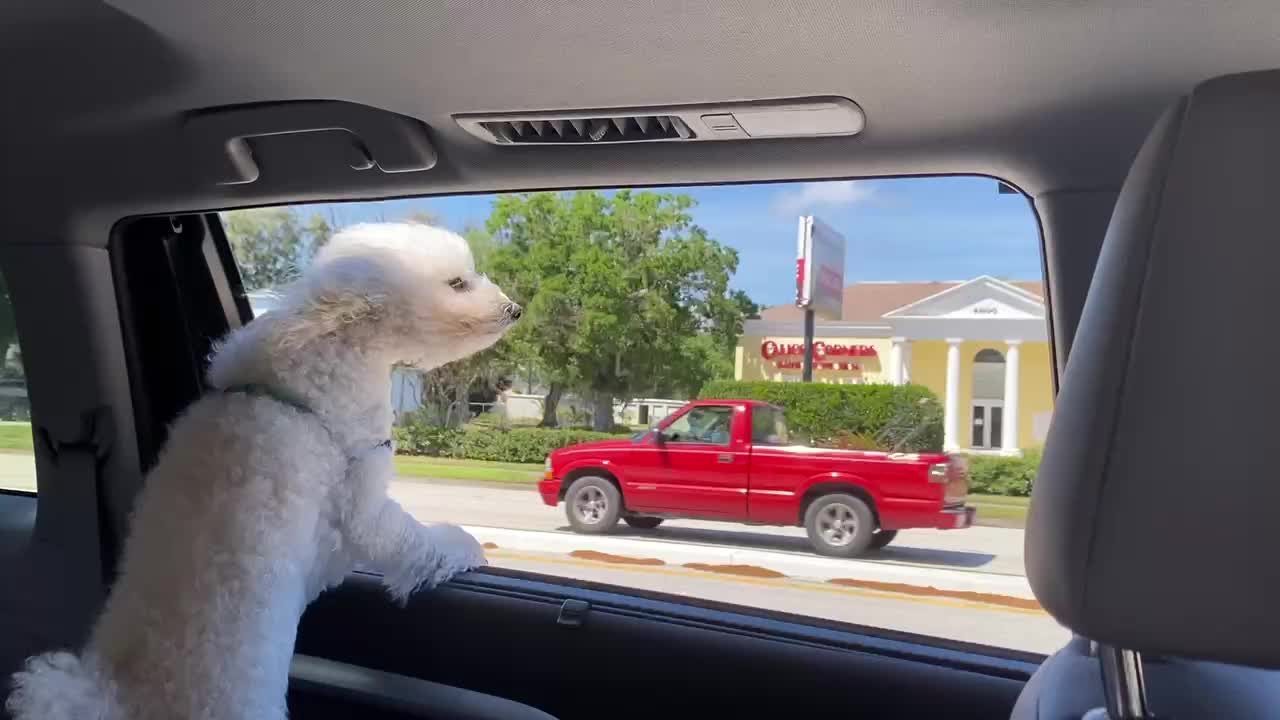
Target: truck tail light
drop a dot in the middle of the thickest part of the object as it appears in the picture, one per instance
(940, 473)
(546, 473)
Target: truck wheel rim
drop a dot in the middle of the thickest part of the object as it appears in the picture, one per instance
(590, 505)
(837, 524)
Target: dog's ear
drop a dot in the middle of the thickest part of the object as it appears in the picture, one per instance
(327, 313)
(337, 294)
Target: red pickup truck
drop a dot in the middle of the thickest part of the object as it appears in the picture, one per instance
(731, 460)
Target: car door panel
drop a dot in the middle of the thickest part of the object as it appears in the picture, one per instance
(511, 635)
(704, 478)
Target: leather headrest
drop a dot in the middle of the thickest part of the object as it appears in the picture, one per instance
(1155, 520)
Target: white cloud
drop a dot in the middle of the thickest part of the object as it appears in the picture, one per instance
(812, 196)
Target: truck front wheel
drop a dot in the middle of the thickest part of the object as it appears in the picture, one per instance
(882, 539)
(593, 505)
(840, 525)
(640, 522)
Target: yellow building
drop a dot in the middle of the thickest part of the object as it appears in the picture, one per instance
(981, 345)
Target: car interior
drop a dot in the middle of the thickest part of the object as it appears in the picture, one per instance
(1144, 136)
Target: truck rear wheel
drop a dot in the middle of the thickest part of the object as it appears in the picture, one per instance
(593, 505)
(840, 525)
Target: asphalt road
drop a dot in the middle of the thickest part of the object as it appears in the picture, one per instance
(922, 610)
(985, 549)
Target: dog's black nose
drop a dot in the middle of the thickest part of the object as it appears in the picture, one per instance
(514, 311)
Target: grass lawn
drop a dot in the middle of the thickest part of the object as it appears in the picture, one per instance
(1001, 511)
(15, 436)
(476, 470)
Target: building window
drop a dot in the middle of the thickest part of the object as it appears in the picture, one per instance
(987, 413)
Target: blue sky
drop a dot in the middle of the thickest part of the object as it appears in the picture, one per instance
(951, 228)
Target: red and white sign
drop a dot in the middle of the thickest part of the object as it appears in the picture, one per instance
(770, 349)
(820, 269)
(790, 356)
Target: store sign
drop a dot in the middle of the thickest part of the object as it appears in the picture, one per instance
(820, 269)
(799, 365)
(770, 350)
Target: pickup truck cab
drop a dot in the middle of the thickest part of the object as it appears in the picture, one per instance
(731, 460)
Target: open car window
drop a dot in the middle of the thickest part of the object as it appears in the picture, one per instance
(17, 462)
(930, 350)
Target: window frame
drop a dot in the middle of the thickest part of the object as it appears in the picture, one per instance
(804, 621)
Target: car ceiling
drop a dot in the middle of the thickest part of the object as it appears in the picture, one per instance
(1052, 96)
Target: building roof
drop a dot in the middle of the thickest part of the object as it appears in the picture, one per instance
(869, 302)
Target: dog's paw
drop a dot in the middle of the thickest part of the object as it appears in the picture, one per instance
(453, 551)
(458, 550)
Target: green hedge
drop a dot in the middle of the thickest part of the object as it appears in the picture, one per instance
(1003, 475)
(906, 418)
(519, 445)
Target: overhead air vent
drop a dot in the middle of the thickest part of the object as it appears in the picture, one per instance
(629, 128)
(820, 117)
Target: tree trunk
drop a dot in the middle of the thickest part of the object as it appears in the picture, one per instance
(602, 413)
(551, 406)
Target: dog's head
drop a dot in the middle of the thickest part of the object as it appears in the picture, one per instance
(407, 289)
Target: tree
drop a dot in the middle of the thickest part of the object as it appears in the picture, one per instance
(271, 245)
(624, 294)
(446, 389)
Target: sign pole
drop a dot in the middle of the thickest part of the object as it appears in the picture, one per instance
(807, 375)
(819, 279)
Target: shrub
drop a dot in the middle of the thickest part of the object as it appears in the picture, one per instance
(523, 445)
(520, 445)
(994, 475)
(420, 438)
(906, 418)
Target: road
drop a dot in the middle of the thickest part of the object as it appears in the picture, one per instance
(986, 549)
(934, 558)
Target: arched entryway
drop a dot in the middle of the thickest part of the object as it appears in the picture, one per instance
(986, 416)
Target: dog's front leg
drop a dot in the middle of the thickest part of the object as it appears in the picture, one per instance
(410, 555)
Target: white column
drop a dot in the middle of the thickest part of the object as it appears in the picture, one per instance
(1009, 435)
(951, 405)
(895, 360)
(906, 362)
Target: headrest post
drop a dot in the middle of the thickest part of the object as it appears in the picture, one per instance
(1123, 684)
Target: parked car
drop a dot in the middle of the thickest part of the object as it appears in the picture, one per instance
(732, 460)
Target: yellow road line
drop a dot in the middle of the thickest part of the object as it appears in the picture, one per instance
(806, 586)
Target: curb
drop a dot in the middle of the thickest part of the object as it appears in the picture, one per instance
(801, 567)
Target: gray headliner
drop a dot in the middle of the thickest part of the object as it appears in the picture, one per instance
(1050, 95)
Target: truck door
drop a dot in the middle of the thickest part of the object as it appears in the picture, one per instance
(702, 461)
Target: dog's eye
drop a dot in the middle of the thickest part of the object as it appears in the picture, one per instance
(458, 284)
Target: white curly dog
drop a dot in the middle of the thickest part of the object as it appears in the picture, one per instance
(273, 486)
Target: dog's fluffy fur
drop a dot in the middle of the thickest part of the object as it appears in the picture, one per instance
(255, 506)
